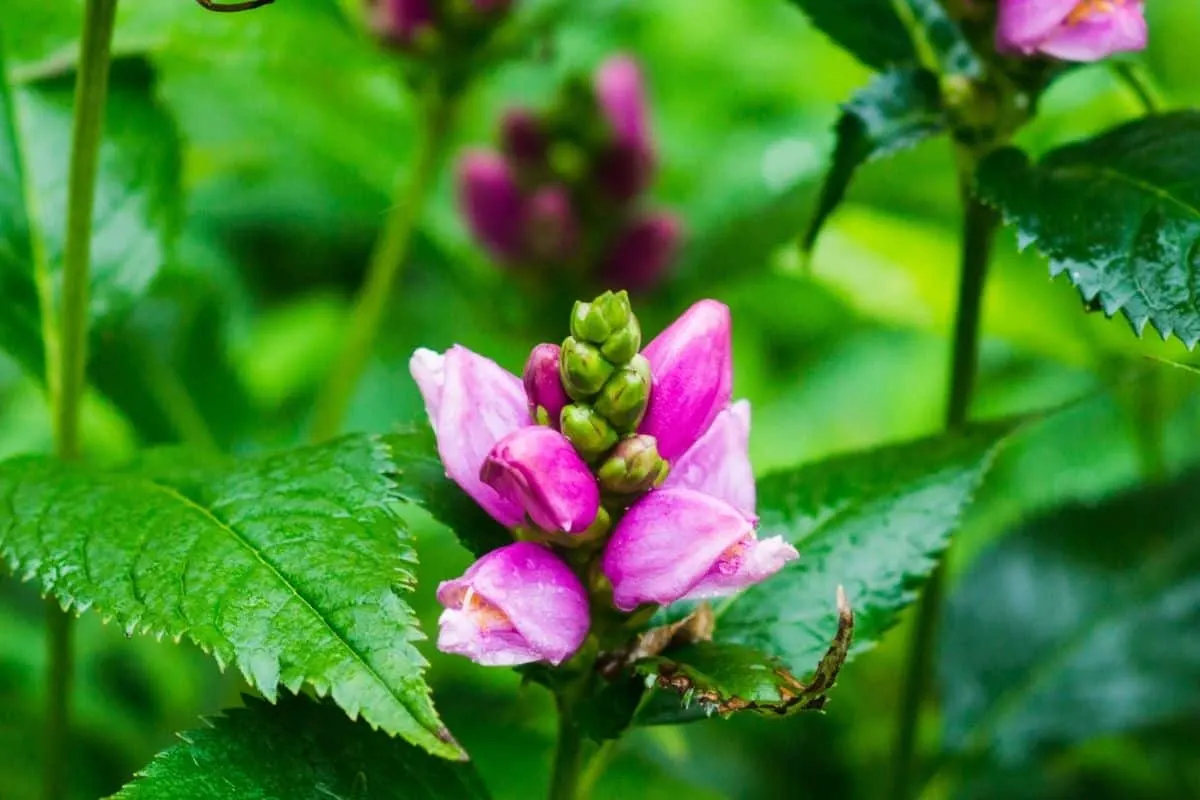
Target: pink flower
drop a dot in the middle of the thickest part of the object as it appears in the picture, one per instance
(516, 605)
(543, 386)
(538, 470)
(619, 91)
(492, 203)
(475, 406)
(692, 366)
(401, 20)
(1071, 30)
(643, 252)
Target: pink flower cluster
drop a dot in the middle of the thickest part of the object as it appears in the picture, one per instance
(563, 191)
(404, 22)
(691, 535)
(1071, 30)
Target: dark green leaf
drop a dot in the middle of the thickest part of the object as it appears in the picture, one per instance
(873, 522)
(897, 110)
(136, 202)
(1119, 214)
(877, 36)
(293, 567)
(300, 749)
(421, 479)
(1080, 624)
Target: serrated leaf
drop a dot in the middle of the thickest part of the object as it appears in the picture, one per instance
(879, 37)
(299, 749)
(293, 567)
(897, 110)
(1119, 214)
(1079, 625)
(873, 522)
(136, 202)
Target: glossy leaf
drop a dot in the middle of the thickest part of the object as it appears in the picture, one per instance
(897, 110)
(300, 749)
(294, 567)
(873, 522)
(136, 206)
(880, 38)
(1079, 625)
(1118, 214)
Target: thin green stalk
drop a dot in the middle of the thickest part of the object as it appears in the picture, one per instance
(387, 262)
(595, 767)
(568, 756)
(979, 228)
(1132, 76)
(67, 353)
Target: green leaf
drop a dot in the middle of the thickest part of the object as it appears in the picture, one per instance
(873, 522)
(897, 110)
(136, 210)
(300, 749)
(878, 36)
(1118, 214)
(293, 567)
(1079, 625)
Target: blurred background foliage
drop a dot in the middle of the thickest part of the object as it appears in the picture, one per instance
(1068, 666)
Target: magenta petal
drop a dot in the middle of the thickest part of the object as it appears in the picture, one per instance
(1022, 24)
(515, 605)
(400, 20)
(719, 463)
(643, 252)
(1099, 35)
(491, 202)
(692, 366)
(472, 403)
(543, 383)
(537, 469)
(667, 543)
(620, 94)
(750, 562)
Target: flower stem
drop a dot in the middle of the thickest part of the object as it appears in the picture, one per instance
(979, 227)
(1135, 80)
(568, 756)
(386, 263)
(66, 352)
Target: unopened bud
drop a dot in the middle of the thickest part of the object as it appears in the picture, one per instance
(550, 227)
(401, 22)
(583, 368)
(633, 466)
(608, 321)
(625, 396)
(543, 385)
(587, 430)
(523, 137)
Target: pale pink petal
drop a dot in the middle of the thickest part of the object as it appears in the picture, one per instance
(472, 403)
(667, 543)
(751, 562)
(1022, 24)
(1098, 36)
(719, 463)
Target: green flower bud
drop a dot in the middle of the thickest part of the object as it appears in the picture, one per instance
(633, 466)
(584, 369)
(624, 398)
(587, 430)
(608, 321)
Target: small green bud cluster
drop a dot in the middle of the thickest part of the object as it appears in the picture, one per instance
(610, 384)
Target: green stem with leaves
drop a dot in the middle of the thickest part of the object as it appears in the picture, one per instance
(66, 343)
(979, 227)
(568, 754)
(384, 268)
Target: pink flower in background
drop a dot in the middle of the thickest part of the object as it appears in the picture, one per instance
(1071, 30)
(516, 605)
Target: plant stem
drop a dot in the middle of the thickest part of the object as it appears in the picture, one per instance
(595, 768)
(386, 263)
(67, 355)
(1136, 82)
(568, 757)
(979, 227)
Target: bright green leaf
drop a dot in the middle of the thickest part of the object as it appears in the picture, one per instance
(136, 205)
(878, 36)
(1118, 214)
(898, 110)
(299, 749)
(293, 567)
(873, 522)
(1079, 625)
